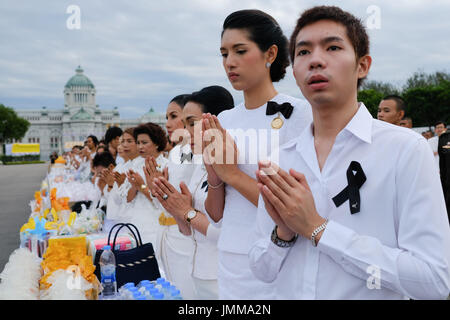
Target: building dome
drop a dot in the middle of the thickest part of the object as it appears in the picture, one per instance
(81, 115)
(79, 80)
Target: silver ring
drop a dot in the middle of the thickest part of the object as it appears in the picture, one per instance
(165, 197)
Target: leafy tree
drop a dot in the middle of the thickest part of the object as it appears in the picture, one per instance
(371, 99)
(383, 87)
(428, 104)
(427, 97)
(11, 125)
(421, 79)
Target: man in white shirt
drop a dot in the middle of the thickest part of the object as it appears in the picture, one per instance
(439, 128)
(361, 213)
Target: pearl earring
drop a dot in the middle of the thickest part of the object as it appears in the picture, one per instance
(268, 65)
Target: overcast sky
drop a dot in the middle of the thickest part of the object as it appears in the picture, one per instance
(140, 54)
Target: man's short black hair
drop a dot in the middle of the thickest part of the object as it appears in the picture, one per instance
(112, 133)
(399, 102)
(103, 159)
(440, 122)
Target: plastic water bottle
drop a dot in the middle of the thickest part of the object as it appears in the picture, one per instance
(124, 291)
(166, 290)
(175, 294)
(108, 272)
(138, 296)
(158, 296)
(143, 283)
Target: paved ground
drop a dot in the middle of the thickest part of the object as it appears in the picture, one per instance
(17, 186)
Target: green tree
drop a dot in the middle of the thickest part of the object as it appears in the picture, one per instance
(11, 125)
(427, 104)
(384, 88)
(421, 79)
(371, 99)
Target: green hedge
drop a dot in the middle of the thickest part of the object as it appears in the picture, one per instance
(27, 158)
(22, 162)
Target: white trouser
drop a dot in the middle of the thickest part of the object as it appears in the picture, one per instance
(236, 280)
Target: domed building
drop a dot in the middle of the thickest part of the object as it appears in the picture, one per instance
(59, 130)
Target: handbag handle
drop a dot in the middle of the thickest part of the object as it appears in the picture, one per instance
(117, 232)
(137, 231)
(128, 225)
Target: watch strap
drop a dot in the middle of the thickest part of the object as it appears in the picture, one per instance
(280, 242)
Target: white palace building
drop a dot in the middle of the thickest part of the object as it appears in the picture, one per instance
(59, 130)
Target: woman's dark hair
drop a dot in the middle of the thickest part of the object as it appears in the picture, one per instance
(213, 99)
(112, 133)
(155, 132)
(180, 100)
(94, 139)
(265, 31)
(103, 159)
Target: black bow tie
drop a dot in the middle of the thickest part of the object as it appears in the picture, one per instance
(351, 192)
(186, 156)
(273, 107)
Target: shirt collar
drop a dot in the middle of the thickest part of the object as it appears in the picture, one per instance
(361, 124)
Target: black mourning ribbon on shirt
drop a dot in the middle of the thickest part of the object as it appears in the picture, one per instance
(351, 192)
(285, 108)
(186, 156)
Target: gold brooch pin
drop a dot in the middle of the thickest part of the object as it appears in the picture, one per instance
(277, 123)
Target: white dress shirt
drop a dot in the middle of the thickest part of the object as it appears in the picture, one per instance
(433, 142)
(401, 235)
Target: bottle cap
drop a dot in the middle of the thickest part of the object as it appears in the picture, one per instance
(106, 247)
(175, 292)
(144, 282)
(149, 286)
(160, 280)
(158, 296)
(136, 295)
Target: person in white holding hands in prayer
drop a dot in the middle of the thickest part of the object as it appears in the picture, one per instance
(355, 209)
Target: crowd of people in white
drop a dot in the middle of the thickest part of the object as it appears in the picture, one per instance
(344, 193)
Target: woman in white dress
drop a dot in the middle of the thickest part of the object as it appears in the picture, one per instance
(187, 206)
(114, 204)
(255, 55)
(173, 249)
(119, 192)
(151, 141)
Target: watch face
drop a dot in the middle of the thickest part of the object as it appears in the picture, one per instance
(191, 214)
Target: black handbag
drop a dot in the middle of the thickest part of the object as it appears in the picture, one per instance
(133, 265)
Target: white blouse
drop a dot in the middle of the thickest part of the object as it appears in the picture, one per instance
(255, 140)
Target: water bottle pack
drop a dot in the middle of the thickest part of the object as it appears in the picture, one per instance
(161, 289)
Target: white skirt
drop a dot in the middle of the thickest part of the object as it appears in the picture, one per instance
(174, 251)
(237, 282)
(206, 289)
